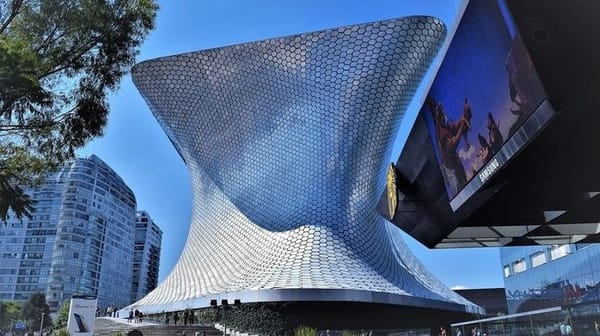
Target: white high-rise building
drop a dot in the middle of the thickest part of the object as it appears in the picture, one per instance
(80, 234)
(146, 257)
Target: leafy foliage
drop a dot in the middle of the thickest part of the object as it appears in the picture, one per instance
(262, 318)
(34, 308)
(62, 316)
(61, 332)
(9, 311)
(207, 315)
(305, 331)
(58, 61)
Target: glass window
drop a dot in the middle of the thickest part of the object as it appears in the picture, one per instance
(538, 258)
(559, 251)
(507, 271)
(519, 266)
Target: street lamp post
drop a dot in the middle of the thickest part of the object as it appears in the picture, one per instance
(42, 323)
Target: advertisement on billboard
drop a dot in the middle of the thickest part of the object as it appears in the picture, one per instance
(82, 314)
(486, 88)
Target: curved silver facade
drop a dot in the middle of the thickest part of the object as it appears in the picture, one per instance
(287, 141)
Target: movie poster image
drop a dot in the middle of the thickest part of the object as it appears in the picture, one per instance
(484, 90)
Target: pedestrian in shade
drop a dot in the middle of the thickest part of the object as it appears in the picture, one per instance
(186, 315)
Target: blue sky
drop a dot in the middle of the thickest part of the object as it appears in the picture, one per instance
(135, 146)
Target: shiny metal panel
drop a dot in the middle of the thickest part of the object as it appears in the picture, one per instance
(287, 142)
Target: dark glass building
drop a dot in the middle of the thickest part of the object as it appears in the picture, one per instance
(539, 277)
(504, 151)
(550, 291)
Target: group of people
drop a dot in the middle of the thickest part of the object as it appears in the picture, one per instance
(135, 316)
(187, 317)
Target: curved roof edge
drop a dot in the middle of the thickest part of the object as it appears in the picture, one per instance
(247, 43)
(313, 295)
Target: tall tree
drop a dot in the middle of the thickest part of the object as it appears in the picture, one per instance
(36, 309)
(58, 61)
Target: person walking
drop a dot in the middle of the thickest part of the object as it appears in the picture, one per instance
(186, 315)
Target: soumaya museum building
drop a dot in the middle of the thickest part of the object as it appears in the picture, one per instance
(288, 141)
(298, 196)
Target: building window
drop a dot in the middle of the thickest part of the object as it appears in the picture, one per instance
(538, 259)
(507, 271)
(519, 266)
(559, 251)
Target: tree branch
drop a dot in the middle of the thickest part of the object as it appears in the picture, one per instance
(49, 39)
(12, 129)
(17, 127)
(68, 60)
(14, 10)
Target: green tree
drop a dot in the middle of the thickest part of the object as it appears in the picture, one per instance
(33, 309)
(9, 311)
(58, 61)
(61, 332)
(63, 313)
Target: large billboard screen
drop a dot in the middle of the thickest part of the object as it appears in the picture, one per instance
(486, 88)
